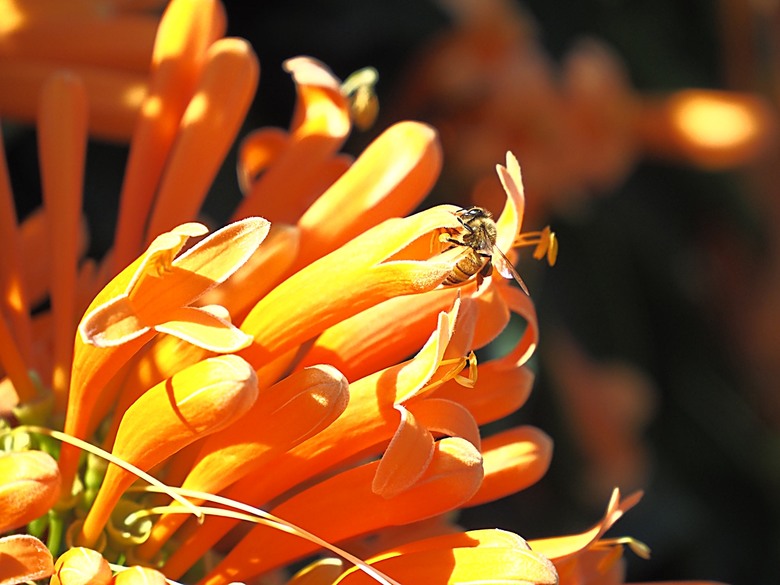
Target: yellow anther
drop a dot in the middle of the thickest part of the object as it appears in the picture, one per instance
(545, 241)
(358, 88)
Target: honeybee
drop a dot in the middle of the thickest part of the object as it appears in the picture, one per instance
(478, 234)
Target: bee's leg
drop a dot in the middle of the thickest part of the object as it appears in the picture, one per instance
(447, 239)
(486, 270)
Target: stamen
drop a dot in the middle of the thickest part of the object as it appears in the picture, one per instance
(358, 88)
(545, 241)
(638, 547)
(461, 363)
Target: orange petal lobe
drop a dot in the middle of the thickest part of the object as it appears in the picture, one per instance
(24, 558)
(509, 222)
(143, 295)
(447, 417)
(29, 487)
(256, 152)
(513, 460)
(204, 329)
(562, 547)
(406, 458)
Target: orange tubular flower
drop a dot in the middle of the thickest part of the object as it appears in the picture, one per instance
(152, 295)
(24, 558)
(29, 486)
(262, 374)
(81, 566)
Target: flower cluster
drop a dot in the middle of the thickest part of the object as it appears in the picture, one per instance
(259, 382)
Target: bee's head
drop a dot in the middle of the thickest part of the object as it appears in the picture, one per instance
(472, 213)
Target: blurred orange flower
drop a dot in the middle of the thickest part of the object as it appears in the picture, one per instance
(487, 83)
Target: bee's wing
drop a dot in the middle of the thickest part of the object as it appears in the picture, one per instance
(505, 268)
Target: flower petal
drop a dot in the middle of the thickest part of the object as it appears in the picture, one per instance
(521, 304)
(262, 272)
(203, 328)
(365, 427)
(208, 263)
(114, 96)
(380, 336)
(62, 142)
(256, 152)
(116, 40)
(511, 219)
(513, 460)
(406, 458)
(417, 372)
(24, 558)
(81, 566)
(14, 366)
(112, 324)
(562, 547)
(15, 299)
(145, 293)
(447, 417)
(29, 487)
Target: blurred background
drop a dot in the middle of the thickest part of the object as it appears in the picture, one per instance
(647, 134)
